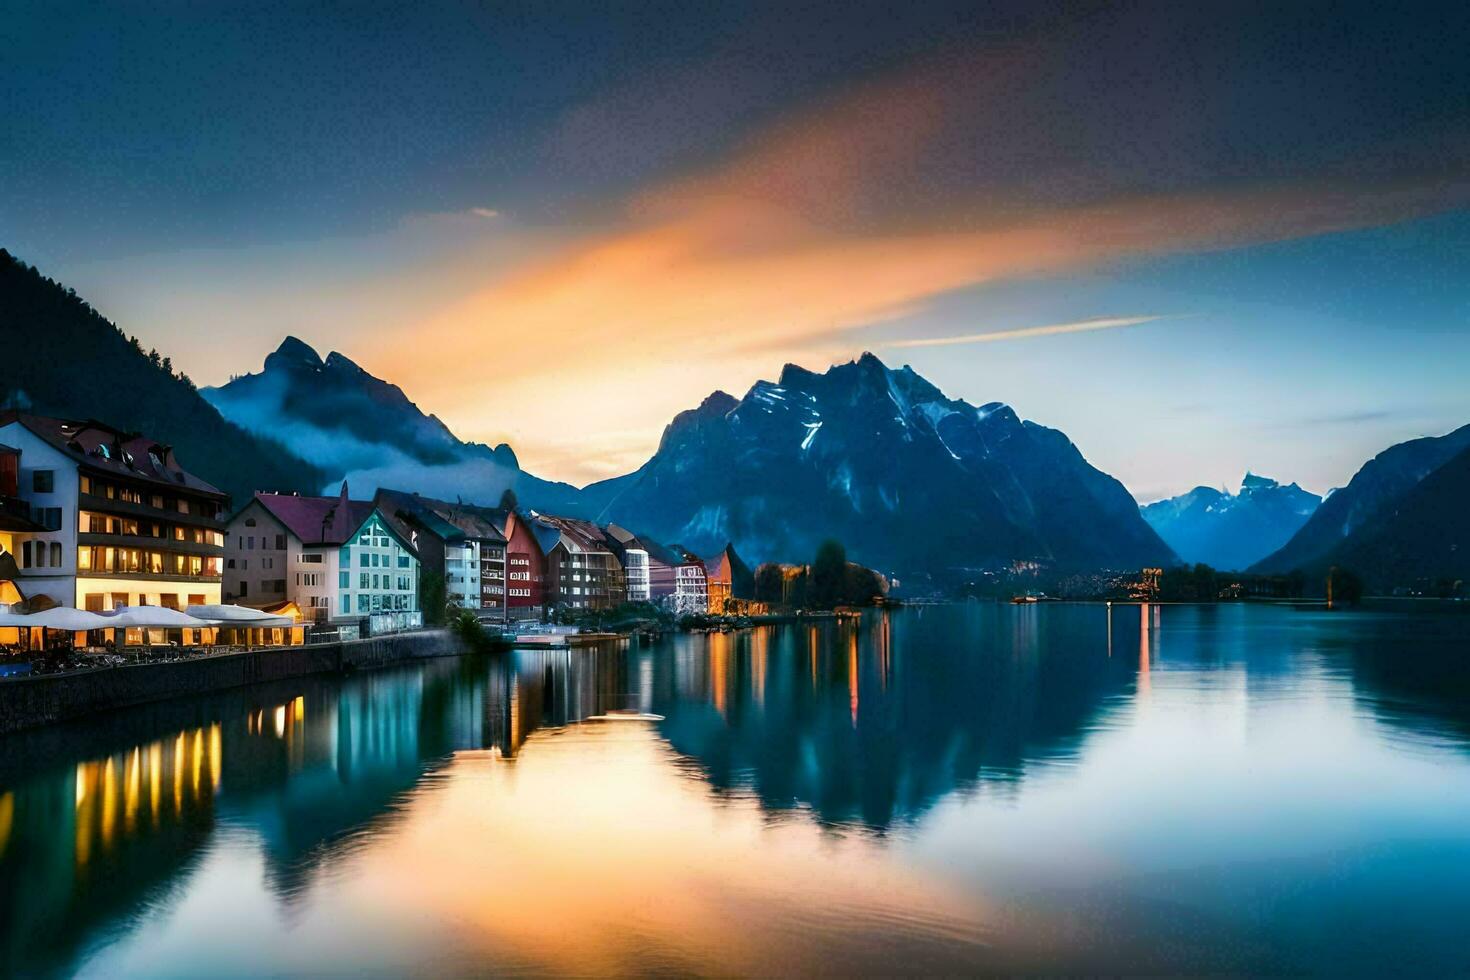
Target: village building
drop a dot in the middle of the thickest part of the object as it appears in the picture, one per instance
(343, 562)
(582, 572)
(97, 518)
(525, 566)
(730, 582)
(458, 542)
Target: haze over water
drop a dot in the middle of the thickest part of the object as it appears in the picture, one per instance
(945, 789)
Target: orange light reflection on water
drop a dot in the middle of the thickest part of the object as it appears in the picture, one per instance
(587, 819)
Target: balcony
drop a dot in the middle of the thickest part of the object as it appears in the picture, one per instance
(149, 543)
(108, 505)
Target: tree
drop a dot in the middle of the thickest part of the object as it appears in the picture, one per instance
(829, 575)
(433, 597)
(508, 500)
(770, 582)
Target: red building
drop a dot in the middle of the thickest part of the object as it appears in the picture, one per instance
(525, 568)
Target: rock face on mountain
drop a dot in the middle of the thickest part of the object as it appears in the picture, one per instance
(362, 428)
(1420, 541)
(1232, 531)
(1381, 482)
(909, 480)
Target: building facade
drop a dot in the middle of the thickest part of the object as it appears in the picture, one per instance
(582, 572)
(117, 521)
(730, 582)
(525, 568)
(342, 561)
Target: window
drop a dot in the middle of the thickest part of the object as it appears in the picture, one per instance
(344, 580)
(94, 602)
(196, 600)
(250, 543)
(362, 559)
(43, 481)
(244, 589)
(346, 604)
(281, 545)
(363, 581)
(362, 602)
(309, 559)
(249, 522)
(402, 561)
(56, 554)
(25, 554)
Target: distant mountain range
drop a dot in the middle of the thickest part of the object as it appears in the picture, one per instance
(366, 430)
(1390, 495)
(61, 357)
(907, 478)
(911, 480)
(1232, 531)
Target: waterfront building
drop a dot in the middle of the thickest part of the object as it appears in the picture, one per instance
(342, 561)
(525, 566)
(581, 570)
(691, 587)
(460, 543)
(94, 517)
(635, 559)
(730, 582)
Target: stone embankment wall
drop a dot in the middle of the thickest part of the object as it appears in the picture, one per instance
(28, 702)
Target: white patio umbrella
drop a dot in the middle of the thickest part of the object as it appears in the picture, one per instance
(152, 617)
(69, 619)
(242, 617)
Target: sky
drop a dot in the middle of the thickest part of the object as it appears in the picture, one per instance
(1200, 239)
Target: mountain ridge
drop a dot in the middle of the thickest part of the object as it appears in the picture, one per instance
(1377, 483)
(78, 364)
(1232, 531)
(369, 432)
(793, 461)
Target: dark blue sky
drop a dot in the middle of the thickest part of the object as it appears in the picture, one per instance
(693, 193)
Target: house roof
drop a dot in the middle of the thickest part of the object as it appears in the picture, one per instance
(411, 509)
(577, 535)
(106, 449)
(318, 520)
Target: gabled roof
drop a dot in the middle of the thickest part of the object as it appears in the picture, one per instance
(576, 535)
(411, 509)
(317, 520)
(101, 447)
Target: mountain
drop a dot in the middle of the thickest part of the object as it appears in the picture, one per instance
(64, 358)
(910, 480)
(1232, 531)
(1418, 540)
(361, 428)
(1381, 481)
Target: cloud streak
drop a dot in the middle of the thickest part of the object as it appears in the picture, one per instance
(800, 236)
(1048, 330)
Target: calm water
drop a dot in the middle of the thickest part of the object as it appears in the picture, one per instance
(952, 789)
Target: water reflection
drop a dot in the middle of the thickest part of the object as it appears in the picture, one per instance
(870, 725)
(852, 733)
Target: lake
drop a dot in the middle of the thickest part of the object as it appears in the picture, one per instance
(947, 789)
